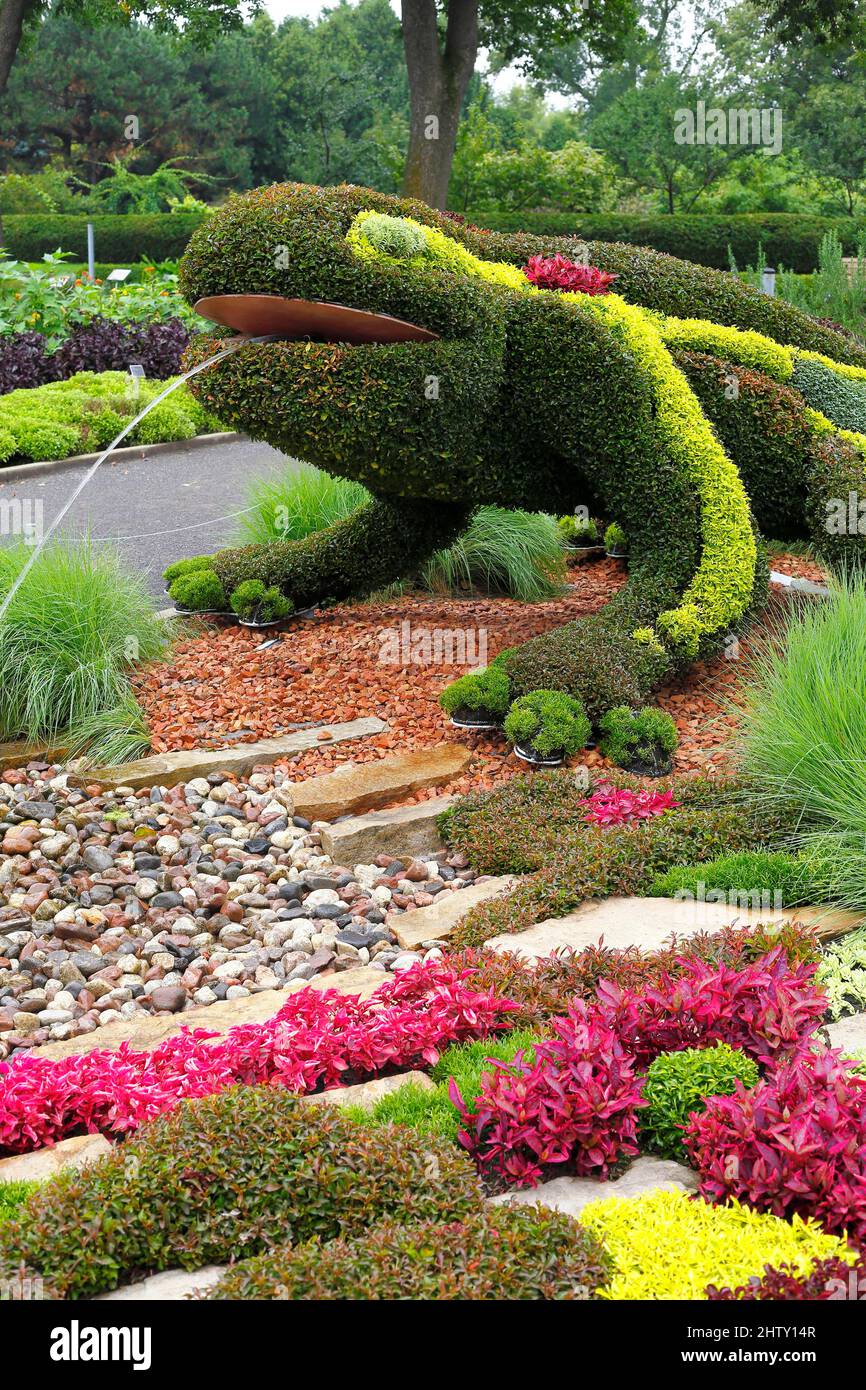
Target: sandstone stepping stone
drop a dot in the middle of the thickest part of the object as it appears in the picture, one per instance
(20, 753)
(168, 769)
(570, 1195)
(170, 1285)
(44, 1163)
(436, 922)
(406, 830)
(368, 1092)
(849, 1033)
(144, 1033)
(369, 786)
(649, 922)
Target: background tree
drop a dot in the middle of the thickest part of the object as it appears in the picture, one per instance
(200, 20)
(442, 39)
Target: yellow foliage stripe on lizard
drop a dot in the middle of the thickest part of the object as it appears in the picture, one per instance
(721, 589)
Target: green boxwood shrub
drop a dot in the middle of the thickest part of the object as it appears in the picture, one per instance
(255, 603)
(676, 1085)
(184, 567)
(548, 722)
(744, 878)
(504, 1253)
(646, 737)
(225, 1177)
(482, 692)
(199, 590)
(84, 413)
(577, 531)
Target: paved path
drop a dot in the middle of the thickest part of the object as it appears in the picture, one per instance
(158, 508)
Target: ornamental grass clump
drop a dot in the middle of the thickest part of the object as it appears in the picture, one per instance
(225, 1177)
(677, 1085)
(502, 551)
(802, 734)
(794, 1145)
(665, 1245)
(499, 1254)
(72, 634)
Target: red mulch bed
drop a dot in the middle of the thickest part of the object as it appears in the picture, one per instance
(218, 690)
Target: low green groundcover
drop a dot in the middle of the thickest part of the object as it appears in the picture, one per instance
(84, 413)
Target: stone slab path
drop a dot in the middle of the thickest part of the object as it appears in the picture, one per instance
(570, 1194)
(169, 769)
(648, 923)
(436, 922)
(169, 1286)
(369, 786)
(849, 1033)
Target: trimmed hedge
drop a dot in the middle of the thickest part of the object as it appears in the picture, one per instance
(84, 413)
(225, 1177)
(118, 239)
(842, 400)
(788, 239)
(501, 1254)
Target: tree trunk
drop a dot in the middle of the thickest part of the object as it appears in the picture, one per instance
(438, 78)
(11, 27)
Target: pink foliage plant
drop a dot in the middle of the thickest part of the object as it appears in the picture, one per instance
(319, 1039)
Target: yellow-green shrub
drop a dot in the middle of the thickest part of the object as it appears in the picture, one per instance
(665, 1245)
(745, 347)
(721, 589)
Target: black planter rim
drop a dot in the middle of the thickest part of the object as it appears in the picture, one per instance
(526, 755)
(484, 721)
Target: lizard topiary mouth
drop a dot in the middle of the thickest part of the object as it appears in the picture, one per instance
(318, 320)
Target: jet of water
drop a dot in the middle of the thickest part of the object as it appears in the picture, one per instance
(172, 386)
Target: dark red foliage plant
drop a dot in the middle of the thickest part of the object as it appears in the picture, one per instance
(828, 1280)
(795, 1145)
(769, 1009)
(559, 273)
(575, 1106)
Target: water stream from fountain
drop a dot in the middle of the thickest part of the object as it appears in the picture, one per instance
(233, 346)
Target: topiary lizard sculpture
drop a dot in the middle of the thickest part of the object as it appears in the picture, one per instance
(463, 383)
